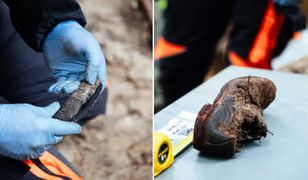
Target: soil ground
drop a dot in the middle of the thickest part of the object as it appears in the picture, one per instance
(118, 145)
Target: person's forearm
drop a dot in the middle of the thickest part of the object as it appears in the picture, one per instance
(34, 19)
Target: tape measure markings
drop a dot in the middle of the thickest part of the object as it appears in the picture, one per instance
(183, 144)
(179, 127)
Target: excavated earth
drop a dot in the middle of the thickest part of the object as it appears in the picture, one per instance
(118, 145)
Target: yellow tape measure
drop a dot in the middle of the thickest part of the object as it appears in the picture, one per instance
(164, 153)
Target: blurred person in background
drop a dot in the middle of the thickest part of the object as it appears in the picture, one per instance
(260, 31)
(45, 53)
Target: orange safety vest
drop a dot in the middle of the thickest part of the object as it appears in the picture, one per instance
(50, 167)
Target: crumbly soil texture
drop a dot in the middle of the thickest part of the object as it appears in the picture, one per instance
(118, 145)
(72, 106)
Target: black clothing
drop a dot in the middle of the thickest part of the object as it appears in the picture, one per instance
(195, 27)
(33, 19)
(24, 75)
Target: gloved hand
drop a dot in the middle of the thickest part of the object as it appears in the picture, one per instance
(288, 2)
(73, 54)
(26, 131)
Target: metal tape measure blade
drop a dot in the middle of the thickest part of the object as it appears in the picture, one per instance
(186, 142)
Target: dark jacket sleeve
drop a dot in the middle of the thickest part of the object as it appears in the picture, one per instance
(295, 14)
(34, 19)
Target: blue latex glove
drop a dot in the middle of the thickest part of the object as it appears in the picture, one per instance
(73, 54)
(287, 2)
(26, 131)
